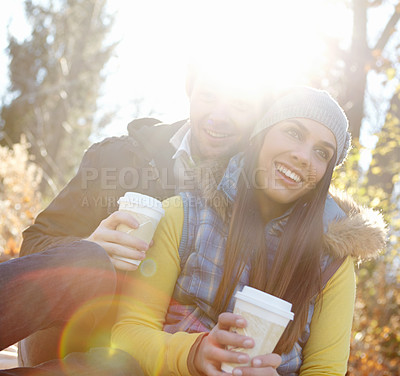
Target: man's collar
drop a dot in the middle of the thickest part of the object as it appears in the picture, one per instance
(177, 138)
(181, 141)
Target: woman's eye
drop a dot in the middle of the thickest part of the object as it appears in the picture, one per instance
(323, 153)
(294, 133)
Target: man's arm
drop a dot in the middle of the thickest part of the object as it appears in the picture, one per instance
(87, 199)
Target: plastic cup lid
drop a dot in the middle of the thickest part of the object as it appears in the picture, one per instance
(141, 200)
(266, 301)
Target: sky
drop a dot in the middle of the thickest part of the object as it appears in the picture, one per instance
(158, 37)
(160, 86)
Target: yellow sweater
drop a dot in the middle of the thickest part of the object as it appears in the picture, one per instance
(147, 292)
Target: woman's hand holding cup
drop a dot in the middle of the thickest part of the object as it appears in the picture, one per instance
(212, 351)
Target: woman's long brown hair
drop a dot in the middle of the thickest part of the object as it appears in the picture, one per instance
(295, 273)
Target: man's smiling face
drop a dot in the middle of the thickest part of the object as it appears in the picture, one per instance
(222, 115)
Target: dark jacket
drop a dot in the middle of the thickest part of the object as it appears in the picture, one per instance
(140, 162)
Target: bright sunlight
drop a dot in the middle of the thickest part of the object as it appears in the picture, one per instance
(282, 39)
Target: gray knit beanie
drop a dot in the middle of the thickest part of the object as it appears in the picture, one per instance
(309, 103)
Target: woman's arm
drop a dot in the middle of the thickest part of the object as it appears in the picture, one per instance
(327, 350)
(145, 300)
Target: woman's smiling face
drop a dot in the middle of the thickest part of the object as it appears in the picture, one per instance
(293, 159)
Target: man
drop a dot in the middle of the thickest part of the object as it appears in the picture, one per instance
(35, 293)
(154, 159)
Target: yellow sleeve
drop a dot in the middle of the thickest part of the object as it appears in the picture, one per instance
(146, 294)
(327, 349)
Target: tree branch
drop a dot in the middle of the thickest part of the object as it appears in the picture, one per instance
(386, 34)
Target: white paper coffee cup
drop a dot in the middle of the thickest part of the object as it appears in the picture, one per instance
(147, 210)
(267, 317)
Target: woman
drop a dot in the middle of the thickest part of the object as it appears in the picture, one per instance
(271, 224)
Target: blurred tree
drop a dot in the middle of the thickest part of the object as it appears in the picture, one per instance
(372, 49)
(55, 80)
(375, 346)
(375, 341)
(385, 165)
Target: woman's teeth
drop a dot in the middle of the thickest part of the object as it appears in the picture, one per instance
(217, 134)
(290, 174)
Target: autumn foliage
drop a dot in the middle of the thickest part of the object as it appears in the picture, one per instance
(375, 340)
(20, 199)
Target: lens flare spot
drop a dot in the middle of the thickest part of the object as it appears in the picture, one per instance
(88, 326)
(148, 267)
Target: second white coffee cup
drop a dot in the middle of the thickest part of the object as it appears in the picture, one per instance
(267, 317)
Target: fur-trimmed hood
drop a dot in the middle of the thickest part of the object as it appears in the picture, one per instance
(362, 234)
(358, 231)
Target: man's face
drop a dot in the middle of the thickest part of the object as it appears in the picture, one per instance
(222, 116)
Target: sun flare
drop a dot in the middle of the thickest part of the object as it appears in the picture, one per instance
(284, 36)
(283, 40)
